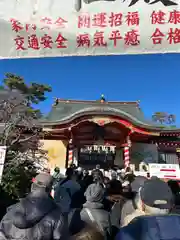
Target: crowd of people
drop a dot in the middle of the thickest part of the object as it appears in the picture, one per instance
(92, 206)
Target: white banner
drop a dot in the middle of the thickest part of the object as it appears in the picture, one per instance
(98, 149)
(165, 171)
(48, 28)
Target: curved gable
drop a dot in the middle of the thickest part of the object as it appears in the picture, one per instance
(67, 113)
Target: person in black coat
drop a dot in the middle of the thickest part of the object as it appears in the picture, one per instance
(36, 217)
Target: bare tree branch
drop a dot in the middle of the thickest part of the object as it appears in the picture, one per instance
(19, 129)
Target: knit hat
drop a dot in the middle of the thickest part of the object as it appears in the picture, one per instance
(156, 193)
(138, 183)
(43, 180)
(94, 193)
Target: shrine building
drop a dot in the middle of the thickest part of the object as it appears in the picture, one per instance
(107, 133)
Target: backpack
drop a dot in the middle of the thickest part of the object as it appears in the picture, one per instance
(106, 232)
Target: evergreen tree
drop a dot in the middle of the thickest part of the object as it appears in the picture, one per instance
(20, 132)
(33, 92)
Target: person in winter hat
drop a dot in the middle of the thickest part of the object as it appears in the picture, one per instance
(86, 180)
(154, 198)
(124, 207)
(129, 175)
(35, 217)
(57, 176)
(65, 190)
(114, 185)
(93, 210)
(79, 172)
(97, 173)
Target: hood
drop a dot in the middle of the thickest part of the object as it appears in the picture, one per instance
(95, 193)
(30, 210)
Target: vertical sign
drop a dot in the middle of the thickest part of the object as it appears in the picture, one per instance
(2, 159)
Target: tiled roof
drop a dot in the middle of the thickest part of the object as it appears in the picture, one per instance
(65, 111)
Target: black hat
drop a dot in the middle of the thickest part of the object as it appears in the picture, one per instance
(69, 172)
(156, 193)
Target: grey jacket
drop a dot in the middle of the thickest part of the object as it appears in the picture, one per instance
(35, 217)
(97, 214)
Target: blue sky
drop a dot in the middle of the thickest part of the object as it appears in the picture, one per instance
(152, 79)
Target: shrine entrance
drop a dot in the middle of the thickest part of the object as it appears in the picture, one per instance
(89, 156)
(99, 144)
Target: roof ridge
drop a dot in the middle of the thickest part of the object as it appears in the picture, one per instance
(58, 100)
